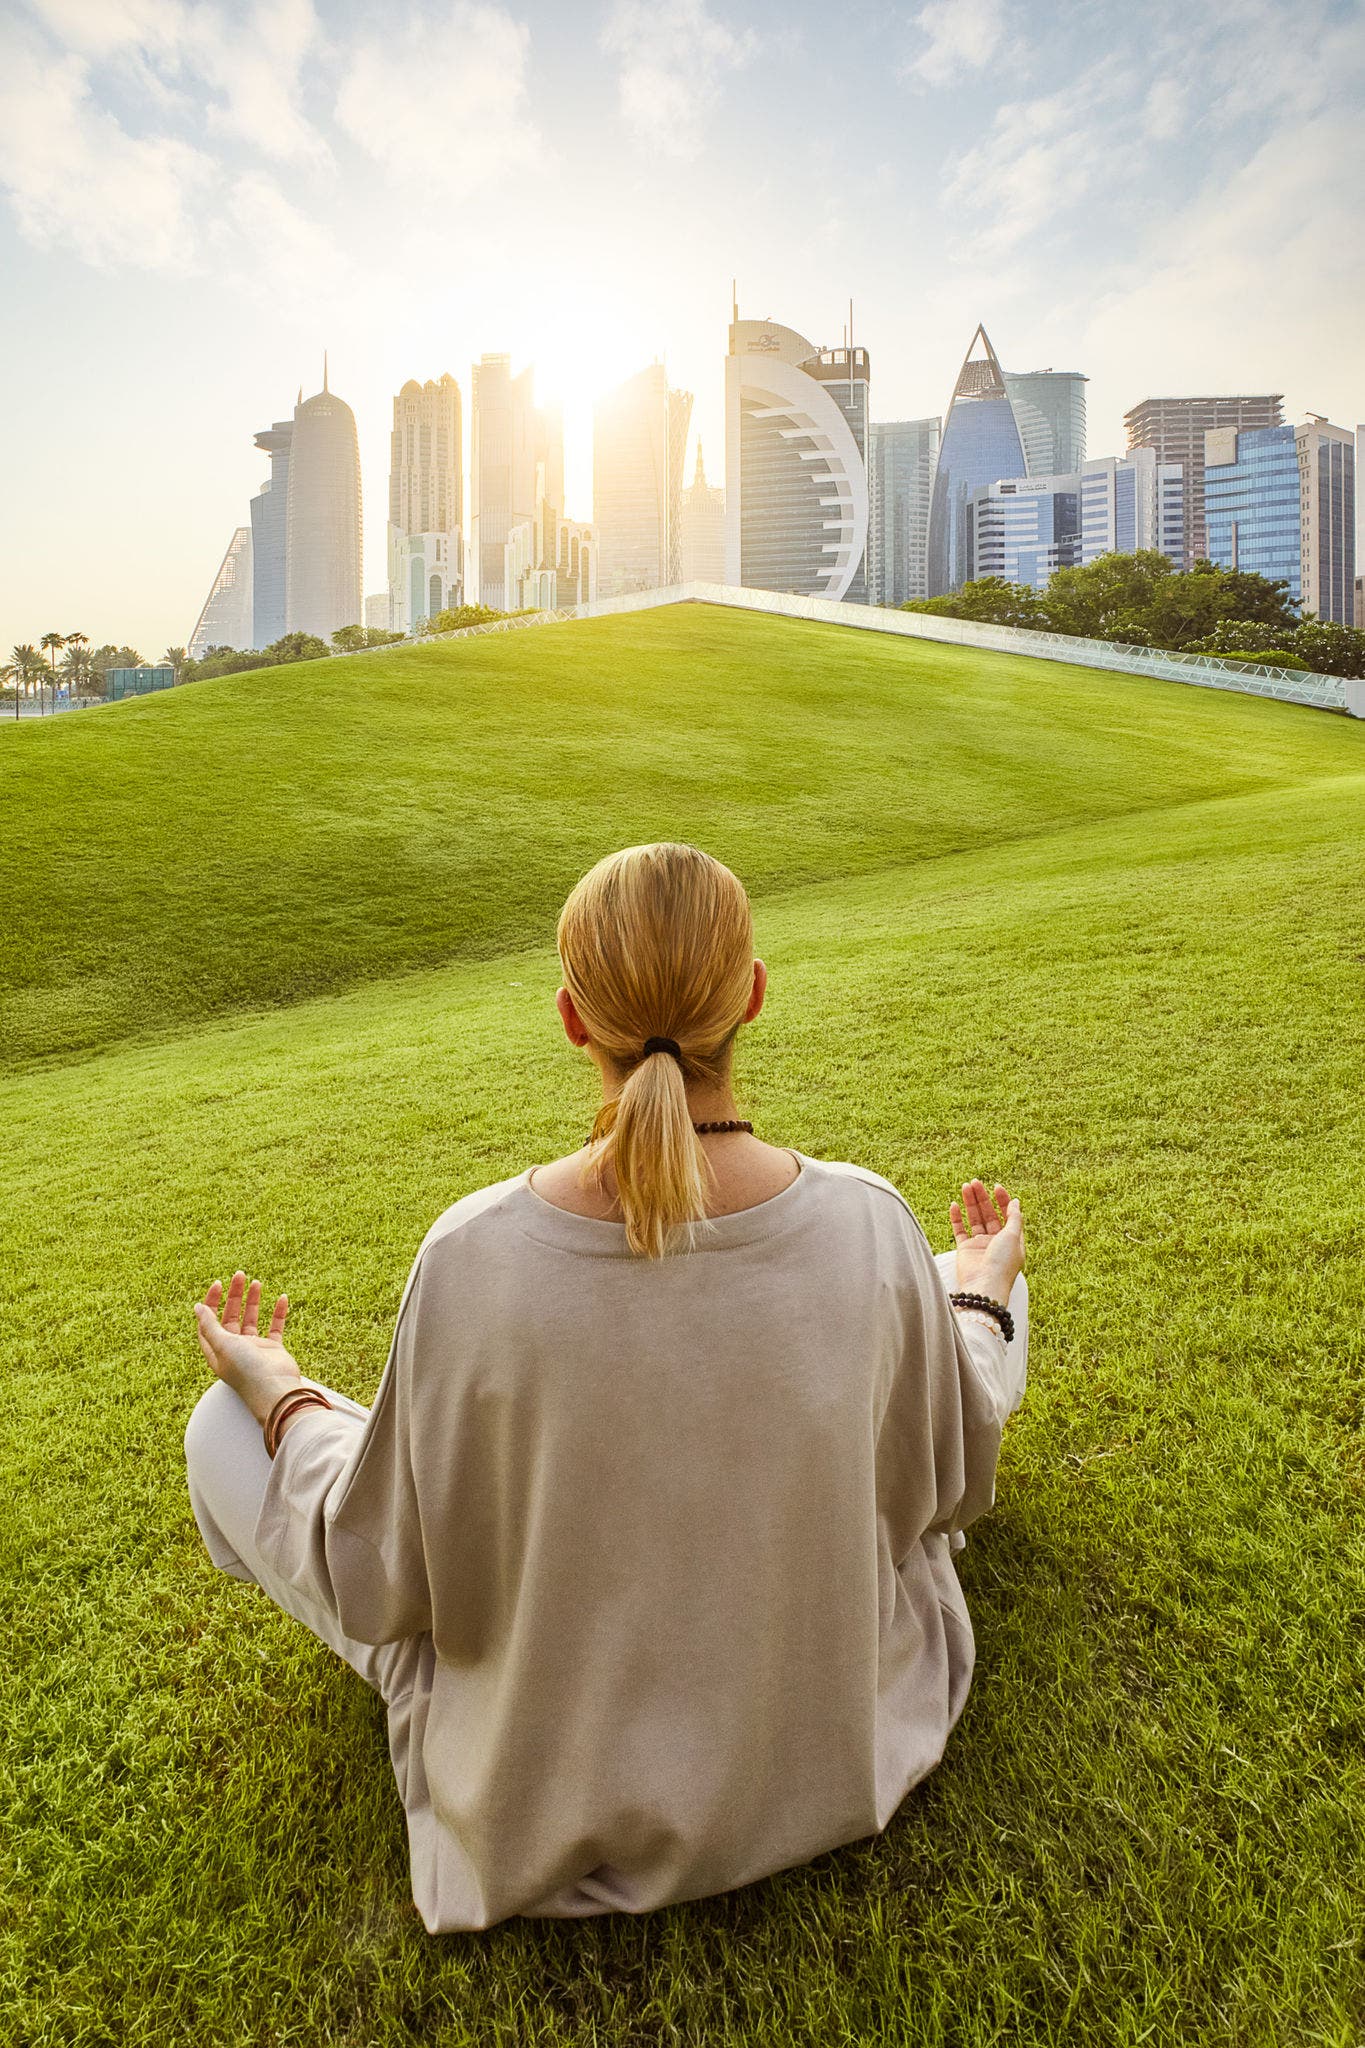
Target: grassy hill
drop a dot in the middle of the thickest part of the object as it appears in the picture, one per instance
(270, 837)
(1099, 936)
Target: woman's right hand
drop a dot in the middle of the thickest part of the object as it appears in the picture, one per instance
(989, 1234)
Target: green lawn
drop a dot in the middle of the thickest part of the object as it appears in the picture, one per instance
(279, 988)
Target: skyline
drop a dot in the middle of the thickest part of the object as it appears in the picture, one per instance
(1040, 173)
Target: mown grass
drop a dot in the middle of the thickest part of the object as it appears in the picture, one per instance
(265, 838)
(1148, 1827)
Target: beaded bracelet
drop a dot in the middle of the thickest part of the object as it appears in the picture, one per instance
(987, 1307)
(288, 1404)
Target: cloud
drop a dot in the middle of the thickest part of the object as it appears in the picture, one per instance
(440, 101)
(238, 69)
(76, 178)
(1040, 158)
(672, 54)
(281, 248)
(1224, 280)
(961, 35)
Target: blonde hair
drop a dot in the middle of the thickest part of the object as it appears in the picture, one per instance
(657, 941)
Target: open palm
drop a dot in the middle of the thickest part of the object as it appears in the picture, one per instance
(256, 1366)
(988, 1230)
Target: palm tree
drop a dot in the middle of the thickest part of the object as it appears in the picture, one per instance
(77, 662)
(12, 673)
(26, 666)
(174, 657)
(50, 643)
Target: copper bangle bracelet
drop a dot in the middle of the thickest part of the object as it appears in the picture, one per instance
(289, 1402)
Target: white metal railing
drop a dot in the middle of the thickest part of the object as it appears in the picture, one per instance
(1208, 671)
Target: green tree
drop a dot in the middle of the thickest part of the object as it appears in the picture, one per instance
(296, 647)
(990, 600)
(1188, 608)
(1108, 599)
(25, 667)
(52, 644)
(225, 661)
(1331, 649)
(175, 658)
(78, 668)
(352, 639)
(455, 618)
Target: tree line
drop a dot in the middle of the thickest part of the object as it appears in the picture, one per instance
(35, 672)
(1143, 600)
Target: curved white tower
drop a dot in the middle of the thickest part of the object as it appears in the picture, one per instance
(796, 428)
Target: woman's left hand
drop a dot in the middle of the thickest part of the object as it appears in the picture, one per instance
(254, 1366)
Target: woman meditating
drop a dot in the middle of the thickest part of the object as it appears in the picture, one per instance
(647, 1539)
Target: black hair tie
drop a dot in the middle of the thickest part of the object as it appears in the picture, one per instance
(668, 1045)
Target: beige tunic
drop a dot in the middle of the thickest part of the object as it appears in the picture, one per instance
(673, 1534)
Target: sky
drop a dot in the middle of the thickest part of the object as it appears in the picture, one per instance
(197, 197)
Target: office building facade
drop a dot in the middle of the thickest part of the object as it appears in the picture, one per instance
(1025, 528)
(796, 440)
(322, 586)
(1327, 521)
(379, 612)
(639, 441)
(1130, 504)
(901, 461)
(227, 619)
(1049, 409)
(269, 537)
(980, 445)
(516, 471)
(1175, 429)
(1280, 502)
(426, 497)
(703, 529)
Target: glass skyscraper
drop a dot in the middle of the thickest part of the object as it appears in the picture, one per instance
(900, 486)
(1251, 502)
(981, 444)
(1049, 406)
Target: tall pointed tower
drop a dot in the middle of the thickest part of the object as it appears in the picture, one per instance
(981, 444)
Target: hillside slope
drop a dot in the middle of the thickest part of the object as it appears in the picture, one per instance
(269, 837)
(1146, 1827)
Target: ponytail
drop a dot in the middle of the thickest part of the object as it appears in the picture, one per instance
(657, 938)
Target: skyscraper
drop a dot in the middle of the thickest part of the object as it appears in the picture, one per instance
(1279, 502)
(322, 541)
(796, 440)
(426, 496)
(1023, 528)
(1049, 406)
(1175, 428)
(981, 444)
(269, 535)
(1131, 504)
(226, 620)
(639, 441)
(901, 483)
(703, 529)
(1327, 520)
(516, 460)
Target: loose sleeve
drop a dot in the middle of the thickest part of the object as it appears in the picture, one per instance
(953, 1393)
(340, 1518)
